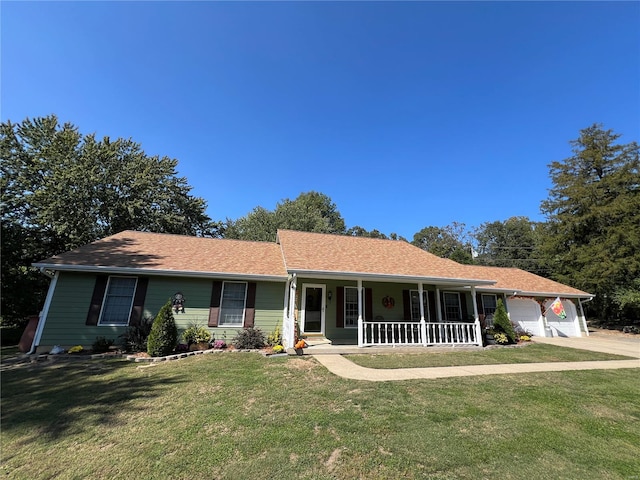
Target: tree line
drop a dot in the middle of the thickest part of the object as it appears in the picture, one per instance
(61, 189)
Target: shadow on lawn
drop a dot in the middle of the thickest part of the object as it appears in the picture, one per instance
(60, 399)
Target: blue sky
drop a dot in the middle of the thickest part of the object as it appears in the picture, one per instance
(406, 114)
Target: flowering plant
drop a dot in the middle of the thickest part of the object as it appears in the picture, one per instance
(219, 344)
(525, 338)
(278, 349)
(76, 349)
(501, 338)
(300, 344)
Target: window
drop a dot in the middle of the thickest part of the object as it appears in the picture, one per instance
(452, 310)
(489, 303)
(415, 306)
(351, 307)
(118, 300)
(232, 304)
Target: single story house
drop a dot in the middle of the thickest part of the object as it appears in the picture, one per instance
(342, 289)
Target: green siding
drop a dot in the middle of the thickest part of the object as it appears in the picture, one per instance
(65, 323)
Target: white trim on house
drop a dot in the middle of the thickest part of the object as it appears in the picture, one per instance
(44, 314)
(164, 273)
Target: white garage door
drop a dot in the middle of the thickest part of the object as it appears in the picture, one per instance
(525, 313)
(562, 327)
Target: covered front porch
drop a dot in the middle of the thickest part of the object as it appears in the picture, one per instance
(370, 312)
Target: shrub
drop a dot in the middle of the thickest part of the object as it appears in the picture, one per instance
(278, 349)
(101, 345)
(502, 324)
(196, 334)
(76, 349)
(163, 337)
(135, 338)
(249, 338)
(219, 344)
(275, 337)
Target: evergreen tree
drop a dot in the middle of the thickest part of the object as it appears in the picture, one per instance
(592, 237)
(163, 337)
(501, 322)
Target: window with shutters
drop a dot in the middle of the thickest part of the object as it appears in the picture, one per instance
(118, 301)
(232, 304)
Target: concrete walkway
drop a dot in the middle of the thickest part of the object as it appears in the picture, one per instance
(339, 365)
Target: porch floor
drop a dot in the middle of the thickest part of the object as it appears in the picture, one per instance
(333, 349)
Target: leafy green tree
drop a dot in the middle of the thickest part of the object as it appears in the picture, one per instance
(310, 212)
(358, 231)
(61, 189)
(512, 243)
(163, 337)
(592, 236)
(446, 242)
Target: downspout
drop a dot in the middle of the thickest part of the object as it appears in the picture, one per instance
(45, 310)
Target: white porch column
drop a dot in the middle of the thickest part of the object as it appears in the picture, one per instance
(438, 306)
(476, 317)
(576, 321)
(285, 313)
(423, 323)
(288, 339)
(360, 320)
(584, 319)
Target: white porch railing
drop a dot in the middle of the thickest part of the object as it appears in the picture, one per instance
(411, 333)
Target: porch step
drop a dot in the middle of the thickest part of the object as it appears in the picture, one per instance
(315, 340)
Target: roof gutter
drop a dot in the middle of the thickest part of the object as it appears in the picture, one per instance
(173, 273)
(390, 277)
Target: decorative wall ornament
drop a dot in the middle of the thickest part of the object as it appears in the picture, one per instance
(178, 302)
(388, 302)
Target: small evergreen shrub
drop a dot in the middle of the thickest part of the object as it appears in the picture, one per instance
(135, 338)
(502, 324)
(101, 345)
(163, 337)
(249, 338)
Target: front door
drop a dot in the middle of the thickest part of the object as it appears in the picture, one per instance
(313, 309)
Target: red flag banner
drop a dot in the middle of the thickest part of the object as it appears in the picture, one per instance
(558, 308)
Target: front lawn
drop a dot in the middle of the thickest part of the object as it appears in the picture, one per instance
(525, 353)
(244, 416)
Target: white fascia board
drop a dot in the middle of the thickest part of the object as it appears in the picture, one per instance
(378, 277)
(164, 273)
(555, 294)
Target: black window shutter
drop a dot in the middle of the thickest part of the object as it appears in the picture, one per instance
(406, 304)
(138, 301)
(340, 307)
(96, 299)
(368, 304)
(250, 307)
(214, 305)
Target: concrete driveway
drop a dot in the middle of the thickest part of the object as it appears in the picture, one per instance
(598, 342)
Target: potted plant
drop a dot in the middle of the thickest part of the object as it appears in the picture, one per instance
(197, 337)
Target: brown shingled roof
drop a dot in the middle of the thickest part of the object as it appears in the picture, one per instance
(526, 283)
(176, 253)
(342, 254)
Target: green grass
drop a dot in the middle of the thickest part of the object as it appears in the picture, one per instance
(244, 416)
(528, 353)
